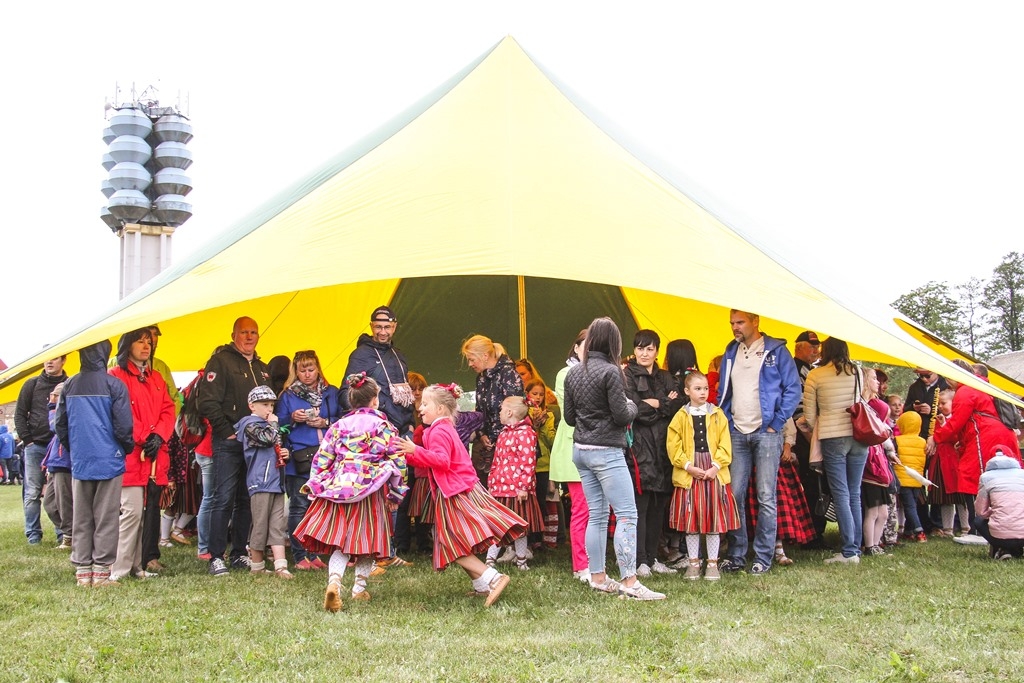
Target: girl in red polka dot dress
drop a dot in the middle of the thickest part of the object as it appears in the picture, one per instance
(512, 479)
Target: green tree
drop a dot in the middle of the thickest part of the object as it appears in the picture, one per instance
(972, 301)
(1004, 296)
(934, 307)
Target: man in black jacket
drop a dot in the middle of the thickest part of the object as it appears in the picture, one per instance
(32, 421)
(378, 358)
(232, 372)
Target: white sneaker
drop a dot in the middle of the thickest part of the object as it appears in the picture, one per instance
(582, 575)
(508, 556)
(638, 591)
(659, 568)
(643, 570)
(610, 585)
(970, 539)
(839, 558)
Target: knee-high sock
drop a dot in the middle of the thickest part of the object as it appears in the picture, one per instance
(492, 552)
(870, 521)
(165, 526)
(364, 565)
(965, 521)
(182, 520)
(712, 541)
(520, 545)
(337, 563)
(693, 546)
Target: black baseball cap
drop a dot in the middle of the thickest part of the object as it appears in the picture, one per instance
(383, 314)
(809, 337)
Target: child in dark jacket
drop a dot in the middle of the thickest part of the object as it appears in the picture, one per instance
(264, 461)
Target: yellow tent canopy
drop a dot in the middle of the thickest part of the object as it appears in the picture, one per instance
(498, 158)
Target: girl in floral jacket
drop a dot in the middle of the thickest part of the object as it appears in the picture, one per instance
(356, 480)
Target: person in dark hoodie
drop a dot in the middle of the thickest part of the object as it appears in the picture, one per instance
(377, 356)
(146, 466)
(94, 421)
(234, 370)
(32, 422)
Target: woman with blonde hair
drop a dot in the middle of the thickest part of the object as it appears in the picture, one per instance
(496, 380)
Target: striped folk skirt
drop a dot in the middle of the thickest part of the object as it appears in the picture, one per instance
(421, 507)
(707, 507)
(360, 528)
(471, 522)
(528, 509)
(939, 494)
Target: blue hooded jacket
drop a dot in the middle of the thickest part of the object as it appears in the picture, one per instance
(6, 444)
(94, 418)
(778, 386)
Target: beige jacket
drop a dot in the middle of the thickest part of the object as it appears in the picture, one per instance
(826, 398)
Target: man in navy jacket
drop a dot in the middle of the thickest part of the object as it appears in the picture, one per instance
(759, 390)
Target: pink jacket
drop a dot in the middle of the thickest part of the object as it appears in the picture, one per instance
(1001, 498)
(445, 459)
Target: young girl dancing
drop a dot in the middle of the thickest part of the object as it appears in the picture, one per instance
(467, 519)
(356, 480)
(700, 449)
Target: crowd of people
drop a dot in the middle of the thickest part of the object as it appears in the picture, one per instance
(757, 453)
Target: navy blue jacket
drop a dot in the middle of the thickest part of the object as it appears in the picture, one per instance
(367, 357)
(94, 418)
(778, 386)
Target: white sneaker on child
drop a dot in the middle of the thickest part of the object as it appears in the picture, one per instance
(643, 570)
(582, 575)
(659, 568)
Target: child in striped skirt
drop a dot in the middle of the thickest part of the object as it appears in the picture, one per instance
(511, 479)
(467, 520)
(356, 480)
(700, 449)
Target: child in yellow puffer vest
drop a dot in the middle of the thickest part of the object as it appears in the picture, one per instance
(911, 449)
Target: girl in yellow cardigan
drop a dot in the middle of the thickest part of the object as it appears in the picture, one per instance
(700, 449)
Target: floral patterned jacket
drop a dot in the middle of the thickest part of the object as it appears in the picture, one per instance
(515, 461)
(356, 458)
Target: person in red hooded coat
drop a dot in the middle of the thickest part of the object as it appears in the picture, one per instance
(146, 466)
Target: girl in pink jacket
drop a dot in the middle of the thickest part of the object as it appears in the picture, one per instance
(467, 520)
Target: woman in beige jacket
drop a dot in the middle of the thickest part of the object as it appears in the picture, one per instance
(829, 390)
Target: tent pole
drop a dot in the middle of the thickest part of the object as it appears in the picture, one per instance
(521, 286)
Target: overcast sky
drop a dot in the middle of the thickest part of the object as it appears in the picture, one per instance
(888, 132)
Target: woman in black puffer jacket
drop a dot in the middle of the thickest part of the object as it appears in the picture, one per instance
(597, 406)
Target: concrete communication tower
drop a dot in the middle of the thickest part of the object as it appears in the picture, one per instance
(146, 187)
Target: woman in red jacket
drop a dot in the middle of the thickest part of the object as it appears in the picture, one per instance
(975, 425)
(145, 467)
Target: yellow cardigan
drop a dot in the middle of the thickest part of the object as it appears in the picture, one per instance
(681, 451)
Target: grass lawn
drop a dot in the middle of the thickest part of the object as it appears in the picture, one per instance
(934, 611)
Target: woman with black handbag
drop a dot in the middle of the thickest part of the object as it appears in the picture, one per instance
(306, 408)
(829, 391)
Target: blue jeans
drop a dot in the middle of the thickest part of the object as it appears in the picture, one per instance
(908, 497)
(203, 516)
(843, 459)
(297, 506)
(230, 500)
(32, 493)
(762, 452)
(606, 481)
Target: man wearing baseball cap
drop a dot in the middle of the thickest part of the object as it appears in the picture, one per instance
(376, 355)
(806, 353)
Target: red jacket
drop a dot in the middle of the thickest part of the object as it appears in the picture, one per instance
(977, 435)
(445, 460)
(515, 461)
(152, 412)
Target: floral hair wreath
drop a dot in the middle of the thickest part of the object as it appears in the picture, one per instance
(453, 389)
(355, 381)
